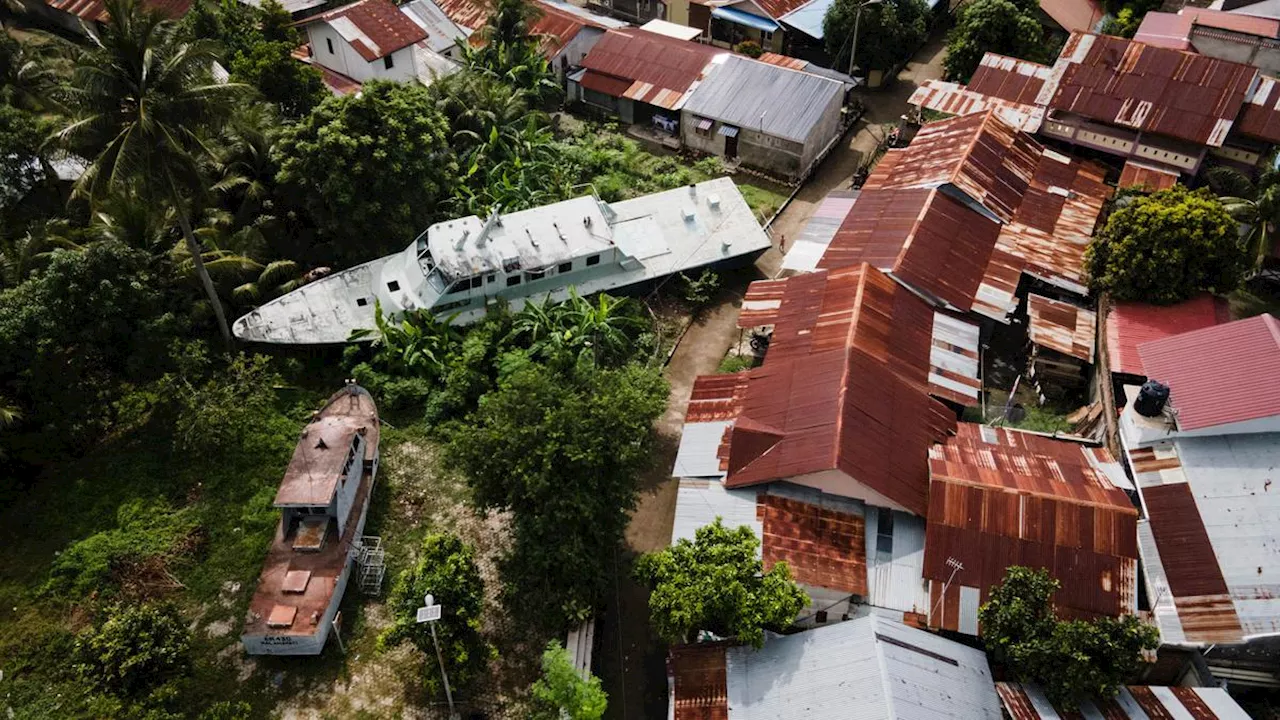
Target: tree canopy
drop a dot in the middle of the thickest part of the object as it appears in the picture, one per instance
(888, 32)
(1256, 206)
(717, 583)
(1007, 27)
(1071, 660)
(562, 694)
(1164, 247)
(135, 649)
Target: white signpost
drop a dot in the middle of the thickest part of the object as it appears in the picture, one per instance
(430, 613)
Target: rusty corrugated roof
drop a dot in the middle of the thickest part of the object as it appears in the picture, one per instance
(380, 27)
(1159, 90)
(1062, 326)
(823, 547)
(659, 70)
(1135, 702)
(96, 10)
(955, 99)
(1137, 174)
(716, 397)
(783, 61)
(1074, 15)
(470, 14)
(1261, 116)
(1008, 78)
(1002, 497)
(699, 682)
(1130, 324)
(924, 237)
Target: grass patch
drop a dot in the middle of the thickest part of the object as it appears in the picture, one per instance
(733, 363)
(1046, 418)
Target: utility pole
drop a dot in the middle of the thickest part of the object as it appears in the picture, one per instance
(857, 19)
(429, 614)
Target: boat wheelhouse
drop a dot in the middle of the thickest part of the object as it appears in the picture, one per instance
(461, 267)
(323, 499)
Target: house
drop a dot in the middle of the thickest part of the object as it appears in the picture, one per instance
(1204, 464)
(567, 33)
(777, 26)
(868, 668)
(443, 35)
(642, 77)
(1191, 106)
(966, 210)
(634, 11)
(1229, 36)
(1001, 497)
(375, 40)
(76, 15)
(768, 117)
(1131, 324)
(323, 499)
(830, 474)
(1134, 702)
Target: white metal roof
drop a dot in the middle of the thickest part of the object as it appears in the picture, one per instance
(767, 98)
(442, 33)
(698, 455)
(870, 668)
(700, 502)
(670, 29)
(804, 252)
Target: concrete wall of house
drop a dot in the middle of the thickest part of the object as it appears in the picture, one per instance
(773, 155)
(570, 56)
(700, 17)
(1261, 53)
(344, 58)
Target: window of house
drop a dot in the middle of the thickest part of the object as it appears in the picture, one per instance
(393, 285)
(593, 260)
(362, 302)
(766, 38)
(884, 531)
(565, 267)
(329, 42)
(513, 280)
(388, 62)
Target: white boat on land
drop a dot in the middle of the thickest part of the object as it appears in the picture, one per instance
(323, 499)
(461, 267)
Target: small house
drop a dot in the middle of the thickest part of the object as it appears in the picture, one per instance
(374, 40)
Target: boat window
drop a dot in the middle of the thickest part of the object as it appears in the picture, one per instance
(362, 301)
(451, 305)
(536, 274)
(513, 280)
(461, 286)
(393, 286)
(565, 267)
(593, 260)
(435, 280)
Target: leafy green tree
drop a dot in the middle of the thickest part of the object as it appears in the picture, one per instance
(136, 649)
(1254, 205)
(447, 570)
(370, 169)
(605, 329)
(998, 26)
(23, 168)
(1165, 247)
(27, 78)
(142, 100)
(1071, 660)
(562, 694)
(1124, 24)
(562, 452)
(888, 32)
(293, 86)
(510, 53)
(717, 583)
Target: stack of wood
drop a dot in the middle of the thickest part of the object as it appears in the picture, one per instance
(1088, 422)
(1061, 338)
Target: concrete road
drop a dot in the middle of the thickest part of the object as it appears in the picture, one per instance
(631, 660)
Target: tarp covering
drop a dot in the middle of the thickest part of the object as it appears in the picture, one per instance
(744, 18)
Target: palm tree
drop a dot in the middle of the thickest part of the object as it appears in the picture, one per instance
(144, 101)
(27, 78)
(1257, 206)
(242, 160)
(9, 414)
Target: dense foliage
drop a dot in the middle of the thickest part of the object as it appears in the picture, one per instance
(1165, 247)
(717, 583)
(1007, 27)
(562, 694)
(1071, 660)
(1255, 205)
(447, 570)
(888, 32)
(135, 649)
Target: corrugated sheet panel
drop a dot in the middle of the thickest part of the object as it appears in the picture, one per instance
(953, 360)
(660, 69)
(1261, 116)
(774, 100)
(1010, 79)
(1028, 702)
(1074, 15)
(783, 61)
(381, 28)
(96, 10)
(895, 565)
(954, 99)
(470, 14)
(699, 689)
(700, 502)
(1130, 324)
(824, 547)
(924, 237)
(1166, 30)
(761, 304)
(1159, 90)
(1136, 174)
(806, 251)
(1212, 373)
(698, 455)
(716, 397)
(1062, 326)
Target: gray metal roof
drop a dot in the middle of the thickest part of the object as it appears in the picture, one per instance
(442, 33)
(870, 668)
(758, 96)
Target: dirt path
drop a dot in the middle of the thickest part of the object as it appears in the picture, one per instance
(631, 660)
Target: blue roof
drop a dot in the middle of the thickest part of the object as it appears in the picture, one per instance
(808, 17)
(744, 18)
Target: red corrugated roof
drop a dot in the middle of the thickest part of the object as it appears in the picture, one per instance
(777, 8)
(1261, 116)
(379, 20)
(1074, 15)
(824, 548)
(840, 402)
(699, 682)
(1000, 497)
(96, 10)
(924, 237)
(1011, 79)
(1266, 27)
(659, 69)
(783, 61)
(1219, 375)
(1166, 30)
(1158, 90)
(1136, 174)
(470, 14)
(1132, 703)
(1130, 324)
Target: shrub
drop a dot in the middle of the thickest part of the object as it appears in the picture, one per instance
(135, 650)
(562, 694)
(750, 48)
(699, 290)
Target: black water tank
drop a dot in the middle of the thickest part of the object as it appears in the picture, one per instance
(1151, 398)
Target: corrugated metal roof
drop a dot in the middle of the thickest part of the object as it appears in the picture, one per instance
(1219, 375)
(842, 388)
(1062, 326)
(96, 10)
(777, 8)
(442, 33)
(870, 668)
(670, 29)
(807, 250)
(783, 61)
(809, 17)
(1074, 15)
(925, 237)
(1130, 324)
(660, 70)
(824, 547)
(954, 99)
(1261, 116)
(774, 100)
(1008, 78)
(1002, 497)
(716, 397)
(1263, 27)
(375, 28)
(470, 14)
(1159, 90)
(1166, 30)
(700, 502)
(1137, 174)
(1028, 702)
(698, 689)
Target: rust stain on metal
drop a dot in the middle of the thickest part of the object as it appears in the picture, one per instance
(1136, 174)
(1261, 116)
(700, 689)
(823, 547)
(657, 69)
(1062, 326)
